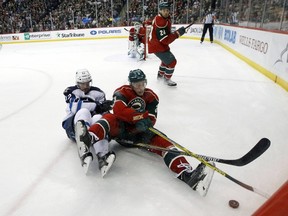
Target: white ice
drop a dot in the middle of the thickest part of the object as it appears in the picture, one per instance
(221, 107)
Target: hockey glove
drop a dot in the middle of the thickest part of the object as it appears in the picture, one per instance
(181, 31)
(143, 125)
(105, 106)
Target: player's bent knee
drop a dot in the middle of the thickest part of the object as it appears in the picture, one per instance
(172, 64)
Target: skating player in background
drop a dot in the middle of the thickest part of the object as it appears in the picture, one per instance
(87, 103)
(134, 112)
(137, 41)
(159, 40)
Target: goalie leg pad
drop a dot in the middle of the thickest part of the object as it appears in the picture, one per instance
(132, 49)
(140, 52)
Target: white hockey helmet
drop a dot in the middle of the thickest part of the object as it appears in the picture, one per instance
(137, 26)
(83, 76)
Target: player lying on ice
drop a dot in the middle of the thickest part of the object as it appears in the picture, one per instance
(134, 112)
(87, 103)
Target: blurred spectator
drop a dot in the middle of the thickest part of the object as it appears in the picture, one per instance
(39, 15)
(45, 15)
(234, 18)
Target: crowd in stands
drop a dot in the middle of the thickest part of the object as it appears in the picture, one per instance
(45, 15)
(179, 12)
(23, 15)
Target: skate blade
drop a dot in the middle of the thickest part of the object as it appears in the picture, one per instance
(86, 164)
(203, 185)
(110, 160)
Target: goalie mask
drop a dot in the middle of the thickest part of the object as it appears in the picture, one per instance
(137, 27)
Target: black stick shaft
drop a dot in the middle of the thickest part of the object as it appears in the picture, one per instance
(248, 187)
(189, 25)
(254, 153)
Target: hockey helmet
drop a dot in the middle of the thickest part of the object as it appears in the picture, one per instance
(137, 26)
(164, 5)
(83, 76)
(136, 75)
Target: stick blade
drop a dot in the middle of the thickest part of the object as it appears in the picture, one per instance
(256, 151)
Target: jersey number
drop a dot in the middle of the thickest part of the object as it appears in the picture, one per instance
(162, 32)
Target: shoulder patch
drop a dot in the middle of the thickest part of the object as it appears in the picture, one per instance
(160, 22)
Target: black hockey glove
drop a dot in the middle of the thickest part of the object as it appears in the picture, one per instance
(105, 106)
(143, 125)
(181, 31)
(68, 94)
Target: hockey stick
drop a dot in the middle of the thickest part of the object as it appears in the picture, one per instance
(250, 156)
(192, 22)
(189, 25)
(248, 187)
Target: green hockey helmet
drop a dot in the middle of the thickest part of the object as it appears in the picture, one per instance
(136, 75)
(164, 5)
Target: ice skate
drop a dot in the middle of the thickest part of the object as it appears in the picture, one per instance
(199, 179)
(203, 185)
(86, 161)
(169, 82)
(105, 162)
(160, 76)
(83, 140)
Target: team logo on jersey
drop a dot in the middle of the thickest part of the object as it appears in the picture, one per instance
(137, 104)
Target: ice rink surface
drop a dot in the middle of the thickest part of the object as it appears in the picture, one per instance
(221, 107)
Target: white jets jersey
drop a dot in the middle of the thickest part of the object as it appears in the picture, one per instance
(77, 99)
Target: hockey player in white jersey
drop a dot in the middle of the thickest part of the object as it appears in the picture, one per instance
(87, 103)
